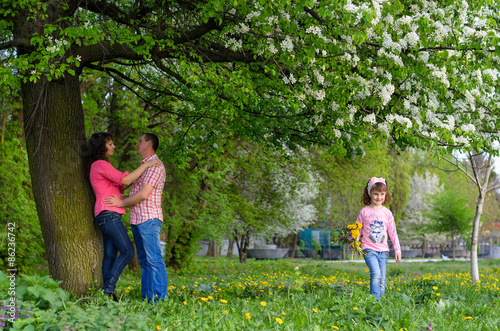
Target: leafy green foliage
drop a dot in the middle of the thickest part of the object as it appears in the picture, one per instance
(450, 213)
(17, 210)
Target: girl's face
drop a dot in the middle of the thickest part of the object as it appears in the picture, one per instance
(110, 147)
(377, 198)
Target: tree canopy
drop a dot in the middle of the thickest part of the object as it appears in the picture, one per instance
(331, 72)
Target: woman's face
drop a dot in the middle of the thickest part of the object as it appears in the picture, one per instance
(110, 147)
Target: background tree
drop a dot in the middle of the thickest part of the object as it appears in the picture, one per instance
(478, 169)
(449, 214)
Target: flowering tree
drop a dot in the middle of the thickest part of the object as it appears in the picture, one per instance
(478, 168)
(285, 72)
(415, 224)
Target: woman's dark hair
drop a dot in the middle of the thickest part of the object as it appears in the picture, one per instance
(378, 187)
(97, 148)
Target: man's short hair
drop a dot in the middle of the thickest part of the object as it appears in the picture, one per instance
(153, 138)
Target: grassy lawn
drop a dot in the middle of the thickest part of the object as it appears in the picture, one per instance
(216, 294)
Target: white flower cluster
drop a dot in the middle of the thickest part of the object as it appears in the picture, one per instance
(493, 73)
(56, 44)
(423, 57)
(441, 32)
(234, 44)
(242, 28)
(440, 73)
(319, 77)
(385, 93)
(317, 119)
(400, 119)
(468, 128)
(270, 47)
(337, 133)
(350, 7)
(339, 122)
(397, 59)
(460, 140)
(384, 127)
(352, 111)
(318, 94)
(287, 44)
(314, 30)
(252, 15)
(412, 39)
(370, 118)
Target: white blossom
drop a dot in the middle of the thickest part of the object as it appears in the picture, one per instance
(370, 118)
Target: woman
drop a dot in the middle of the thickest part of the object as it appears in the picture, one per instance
(106, 181)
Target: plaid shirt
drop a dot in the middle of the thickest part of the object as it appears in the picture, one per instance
(151, 207)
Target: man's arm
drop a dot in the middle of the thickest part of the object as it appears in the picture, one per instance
(143, 194)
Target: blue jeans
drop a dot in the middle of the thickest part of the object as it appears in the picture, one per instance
(154, 279)
(377, 263)
(115, 239)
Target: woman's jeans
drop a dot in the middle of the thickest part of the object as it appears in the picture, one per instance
(115, 239)
(154, 279)
(377, 263)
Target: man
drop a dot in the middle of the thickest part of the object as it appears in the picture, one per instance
(146, 218)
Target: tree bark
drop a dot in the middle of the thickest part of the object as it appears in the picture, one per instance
(55, 135)
(243, 246)
(213, 250)
(475, 238)
(453, 245)
(294, 245)
(230, 246)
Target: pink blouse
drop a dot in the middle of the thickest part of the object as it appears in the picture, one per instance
(106, 181)
(377, 223)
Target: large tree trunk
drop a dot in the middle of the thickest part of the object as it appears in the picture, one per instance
(55, 135)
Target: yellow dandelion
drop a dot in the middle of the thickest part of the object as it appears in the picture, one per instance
(263, 303)
(335, 327)
(435, 288)
(158, 327)
(314, 310)
(438, 294)
(248, 315)
(225, 312)
(204, 299)
(223, 301)
(467, 317)
(283, 313)
(210, 297)
(184, 302)
(279, 320)
(355, 308)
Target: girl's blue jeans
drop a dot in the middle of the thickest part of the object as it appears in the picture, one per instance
(377, 263)
(115, 239)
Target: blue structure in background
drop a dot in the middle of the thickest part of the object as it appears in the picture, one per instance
(323, 238)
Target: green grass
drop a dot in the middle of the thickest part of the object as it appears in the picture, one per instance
(217, 294)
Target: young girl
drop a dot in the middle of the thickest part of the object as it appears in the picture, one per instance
(377, 221)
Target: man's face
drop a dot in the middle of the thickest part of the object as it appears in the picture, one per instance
(142, 145)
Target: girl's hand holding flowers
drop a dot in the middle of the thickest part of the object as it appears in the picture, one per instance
(351, 235)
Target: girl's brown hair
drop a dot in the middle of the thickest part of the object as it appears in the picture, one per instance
(379, 187)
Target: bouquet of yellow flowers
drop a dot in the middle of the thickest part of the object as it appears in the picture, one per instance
(348, 236)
